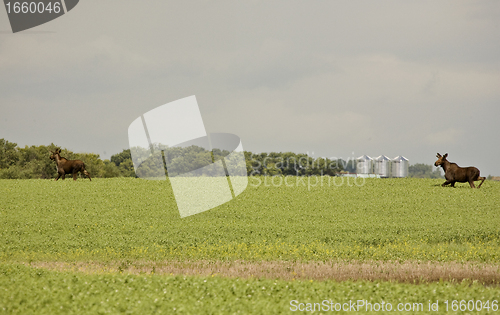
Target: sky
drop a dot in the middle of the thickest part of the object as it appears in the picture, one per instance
(330, 78)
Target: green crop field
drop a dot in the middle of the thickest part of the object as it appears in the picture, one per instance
(72, 246)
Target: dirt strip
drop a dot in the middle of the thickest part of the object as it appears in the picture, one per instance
(409, 272)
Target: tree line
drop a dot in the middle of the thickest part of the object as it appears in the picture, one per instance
(34, 162)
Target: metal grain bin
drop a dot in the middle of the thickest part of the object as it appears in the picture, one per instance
(364, 165)
(400, 166)
(382, 166)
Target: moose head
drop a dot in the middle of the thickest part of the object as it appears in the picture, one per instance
(54, 153)
(441, 159)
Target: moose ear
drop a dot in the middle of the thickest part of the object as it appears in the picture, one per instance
(438, 155)
(445, 155)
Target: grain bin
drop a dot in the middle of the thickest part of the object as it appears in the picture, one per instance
(400, 166)
(364, 165)
(382, 166)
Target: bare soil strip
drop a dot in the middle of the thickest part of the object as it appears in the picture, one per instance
(408, 272)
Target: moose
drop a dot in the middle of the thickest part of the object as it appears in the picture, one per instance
(454, 173)
(65, 166)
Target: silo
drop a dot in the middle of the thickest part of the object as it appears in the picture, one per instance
(364, 165)
(382, 166)
(400, 166)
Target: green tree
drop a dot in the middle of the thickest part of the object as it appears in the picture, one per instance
(121, 157)
(110, 170)
(29, 162)
(8, 154)
(123, 161)
(35, 162)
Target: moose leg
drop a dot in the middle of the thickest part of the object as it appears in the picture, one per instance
(74, 175)
(448, 182)
(471, 183)
(58, 175)
(482, 181)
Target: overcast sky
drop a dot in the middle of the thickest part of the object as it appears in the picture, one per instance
(337, 78)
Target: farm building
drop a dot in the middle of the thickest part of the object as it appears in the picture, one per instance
(364, 165)
(382, 166)
(399, 166)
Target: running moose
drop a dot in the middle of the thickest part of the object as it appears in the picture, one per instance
(454, 173)
(65, 166)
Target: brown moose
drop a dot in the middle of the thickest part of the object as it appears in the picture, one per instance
(65, 166)
(454, 173)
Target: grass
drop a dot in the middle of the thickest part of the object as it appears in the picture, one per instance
(109, 219)
(26, 290)
(119, 245)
